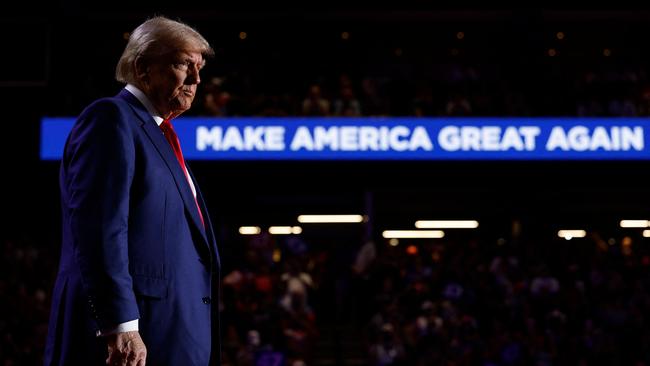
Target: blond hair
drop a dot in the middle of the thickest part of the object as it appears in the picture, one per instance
(156, 37)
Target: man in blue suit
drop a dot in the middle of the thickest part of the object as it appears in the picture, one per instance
(139, 271)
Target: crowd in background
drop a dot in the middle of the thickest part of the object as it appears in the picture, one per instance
(26, 278)
(515, 303)
(457, 301)
(458, 91)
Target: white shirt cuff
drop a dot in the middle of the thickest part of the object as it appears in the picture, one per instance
(130, 326)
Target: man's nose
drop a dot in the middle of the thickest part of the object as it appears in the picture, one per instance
(193, 76)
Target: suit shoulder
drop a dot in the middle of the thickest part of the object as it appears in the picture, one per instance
(110, 106)
(104, 117)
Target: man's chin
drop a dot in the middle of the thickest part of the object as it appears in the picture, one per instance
(181, 105)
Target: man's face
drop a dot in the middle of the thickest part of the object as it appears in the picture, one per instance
(172, 81)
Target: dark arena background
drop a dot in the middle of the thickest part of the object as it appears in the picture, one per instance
(511, 291)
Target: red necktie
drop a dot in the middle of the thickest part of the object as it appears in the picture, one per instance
(172, 138)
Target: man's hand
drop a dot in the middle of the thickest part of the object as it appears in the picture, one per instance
(126, 349)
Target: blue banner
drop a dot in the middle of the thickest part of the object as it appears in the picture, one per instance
(395, 138)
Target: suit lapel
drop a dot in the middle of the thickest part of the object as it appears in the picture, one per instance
(158, 139)
(208, 223)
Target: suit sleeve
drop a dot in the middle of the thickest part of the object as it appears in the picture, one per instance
(99, 162)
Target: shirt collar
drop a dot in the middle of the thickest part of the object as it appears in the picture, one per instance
(145, 102)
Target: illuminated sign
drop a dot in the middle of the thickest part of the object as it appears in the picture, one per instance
(395, 138)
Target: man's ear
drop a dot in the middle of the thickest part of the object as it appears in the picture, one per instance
(141, 69)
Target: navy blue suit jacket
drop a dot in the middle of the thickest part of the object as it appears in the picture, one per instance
(133, 244)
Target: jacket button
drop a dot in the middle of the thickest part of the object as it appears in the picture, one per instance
(207, 300)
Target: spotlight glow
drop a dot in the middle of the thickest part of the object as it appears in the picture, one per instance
(285, 230)
(413, 234)
(329, 219)
(634, 223)
(446, 224)
(250, 230)
(570, 234)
